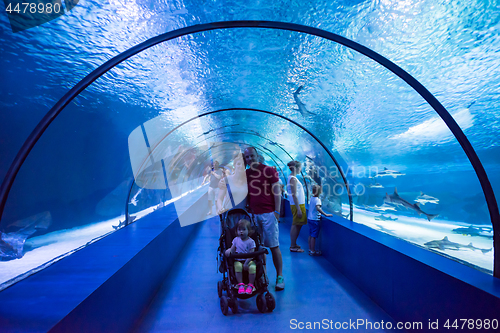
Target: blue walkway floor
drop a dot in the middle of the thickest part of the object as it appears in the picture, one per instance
(315, 292)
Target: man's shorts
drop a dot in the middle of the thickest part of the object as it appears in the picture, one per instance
(211, 193)
(303, 219)
(313, 228)
(268, 228)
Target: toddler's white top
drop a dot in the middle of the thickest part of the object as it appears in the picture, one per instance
(243, 246)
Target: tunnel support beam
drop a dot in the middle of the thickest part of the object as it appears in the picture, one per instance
(126, 222)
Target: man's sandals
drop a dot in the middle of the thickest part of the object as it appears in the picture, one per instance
(296, 248)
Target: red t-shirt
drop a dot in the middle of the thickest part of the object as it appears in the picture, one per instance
(260, 196)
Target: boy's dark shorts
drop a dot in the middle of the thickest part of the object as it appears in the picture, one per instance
(313, 228)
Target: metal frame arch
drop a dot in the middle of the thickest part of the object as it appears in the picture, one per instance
(255, 134)
(273, 114)
(260, 136)
(419, 88)
(126, 222)
(269, 140)
(215, 135)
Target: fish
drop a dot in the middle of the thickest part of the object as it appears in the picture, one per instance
(395, 199)
(387, 172)
(334, 203)
(424, 198)
(301, 106)
(339, 213)
(376, 208)
(206, 133)
(133, 201)
(272, 143)
(382, 217)
(446, 244)
(210, 131)
(384, 207)
(473, 231)
(382, 228)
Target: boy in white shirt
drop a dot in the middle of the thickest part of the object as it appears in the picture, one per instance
(313, 217)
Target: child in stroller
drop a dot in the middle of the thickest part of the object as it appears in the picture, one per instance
(243, 244)
(232, 285)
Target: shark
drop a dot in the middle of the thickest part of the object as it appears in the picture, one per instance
(272, 143)
(124, 222)
(133, 201)
(384, 208)
(346, 216)
(376, 208)
(214, 129)
(206, 133)
(387, 172)
(383, 229)
(382, 217)
(334, 202)
(424, 198)
(473, 231)
(395, 199)
(302, 107)
(446, 244)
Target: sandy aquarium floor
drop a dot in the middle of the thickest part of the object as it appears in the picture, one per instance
(418, 230)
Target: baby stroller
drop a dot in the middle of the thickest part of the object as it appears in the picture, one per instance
(228, 294)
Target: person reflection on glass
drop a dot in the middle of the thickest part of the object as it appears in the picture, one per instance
(214, 176)
(237, 184)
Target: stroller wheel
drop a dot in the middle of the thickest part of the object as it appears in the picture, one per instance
(219, 288)
(223, 305)
(271, 302)
(261, 303)
(233, 304)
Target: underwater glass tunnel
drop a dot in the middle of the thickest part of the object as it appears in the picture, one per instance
(113, 111)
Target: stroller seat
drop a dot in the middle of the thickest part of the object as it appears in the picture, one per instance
(226, 288)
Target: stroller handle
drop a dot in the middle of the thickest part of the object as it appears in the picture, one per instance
(248, 255)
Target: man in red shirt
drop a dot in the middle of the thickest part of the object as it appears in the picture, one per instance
(264, 200)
